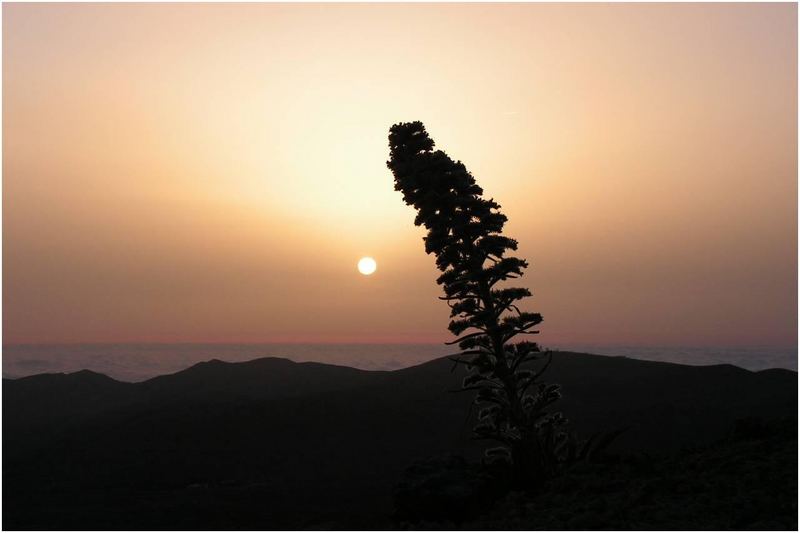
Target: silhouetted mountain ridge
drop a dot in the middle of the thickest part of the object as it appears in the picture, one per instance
(259, 378)
(311, 440)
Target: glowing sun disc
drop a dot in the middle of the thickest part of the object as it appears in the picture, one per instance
(367, 265)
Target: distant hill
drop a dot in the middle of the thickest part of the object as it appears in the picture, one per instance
(270, 443)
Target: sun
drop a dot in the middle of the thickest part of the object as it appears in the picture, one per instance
(367, 265)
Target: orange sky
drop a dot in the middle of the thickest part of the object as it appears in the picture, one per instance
(214, 172)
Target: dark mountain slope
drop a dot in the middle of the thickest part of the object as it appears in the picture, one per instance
(666, 406)
(37, 408)
(268, 377)
(275, 444)
(59, 399)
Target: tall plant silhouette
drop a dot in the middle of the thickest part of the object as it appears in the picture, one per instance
(465, 235)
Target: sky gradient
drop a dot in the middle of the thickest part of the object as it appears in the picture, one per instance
(213, 173)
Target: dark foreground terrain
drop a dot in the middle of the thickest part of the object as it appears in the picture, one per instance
(272, 444)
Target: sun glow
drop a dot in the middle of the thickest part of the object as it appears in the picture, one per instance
(205, 212)
(367, 265)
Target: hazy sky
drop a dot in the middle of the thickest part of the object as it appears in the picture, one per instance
(214, 172)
